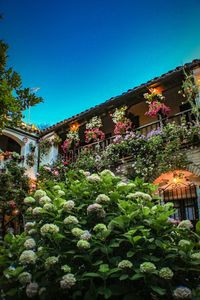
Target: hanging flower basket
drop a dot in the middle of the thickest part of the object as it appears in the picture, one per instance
(93, 132)
(157, 108)
(94, 135)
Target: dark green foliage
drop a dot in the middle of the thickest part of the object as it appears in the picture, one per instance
(134, 229)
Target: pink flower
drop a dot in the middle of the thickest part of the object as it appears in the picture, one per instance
(156, 107)
(56, 173)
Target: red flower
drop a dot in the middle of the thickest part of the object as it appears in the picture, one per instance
(156, 107)
(94, 134)
(122, 127)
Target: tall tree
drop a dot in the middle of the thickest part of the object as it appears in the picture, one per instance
(14, 99)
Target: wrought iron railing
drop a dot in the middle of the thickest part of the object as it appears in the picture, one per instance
(143, 130)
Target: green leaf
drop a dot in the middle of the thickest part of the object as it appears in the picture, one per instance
(91, 274)
(130, 254)
(137, 276)
(198, 227)
(106, 292)
(158, 290)
(124, 277)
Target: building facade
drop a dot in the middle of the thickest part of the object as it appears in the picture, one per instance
(178, 186)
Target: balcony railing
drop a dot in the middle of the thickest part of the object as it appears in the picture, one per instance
(143, 130)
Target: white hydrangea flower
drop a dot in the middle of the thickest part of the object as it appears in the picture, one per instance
(147, 267)
(56, 187)
(67, 281)
(185, 224)
(86, 173)
(29, 225)
(77, 232)
(83, 244)
(39, 194)
(141, 195)
(32, 289)
(94, 178)
(48, 206)
(125, 264)
(96, 209)
(49, 228)
(195, 256)
(25, 278)
(121, 184)
(68, 205)
(182, 293)
(61, 193)
(43, 200)
(100, 228)
(66, 268)
(50, 261)
(86, 236)
(37, 211)
(30, 244)
(107, 173)
(184, 243)
(29, 200)
(29, 210)
(27, 257)
(70, 220)
(102, 199)
(32, 232)
(40, 249)
(166, 273)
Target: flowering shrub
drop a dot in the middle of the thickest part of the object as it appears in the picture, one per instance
(156, 107)
(103, 239)
(160, 151)
(93, 132)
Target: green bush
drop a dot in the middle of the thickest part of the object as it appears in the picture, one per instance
(96, 237)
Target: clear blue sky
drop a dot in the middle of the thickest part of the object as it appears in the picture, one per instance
(82, 52)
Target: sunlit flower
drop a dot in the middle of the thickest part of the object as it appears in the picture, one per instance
(45, 199)
(93, 178)
(37, 211)
(27, 257)
(86, 235)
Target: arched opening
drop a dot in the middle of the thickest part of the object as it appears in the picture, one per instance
(180, 188)
(9, 144)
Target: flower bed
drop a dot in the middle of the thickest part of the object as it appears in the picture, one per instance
(97, 237)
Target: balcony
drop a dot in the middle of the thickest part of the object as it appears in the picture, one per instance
(142, 130)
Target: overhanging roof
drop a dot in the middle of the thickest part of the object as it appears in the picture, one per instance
(116, 100)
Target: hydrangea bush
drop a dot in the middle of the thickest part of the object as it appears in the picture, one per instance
(101, 238)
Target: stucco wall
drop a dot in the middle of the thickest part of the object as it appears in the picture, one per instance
(25, 140)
